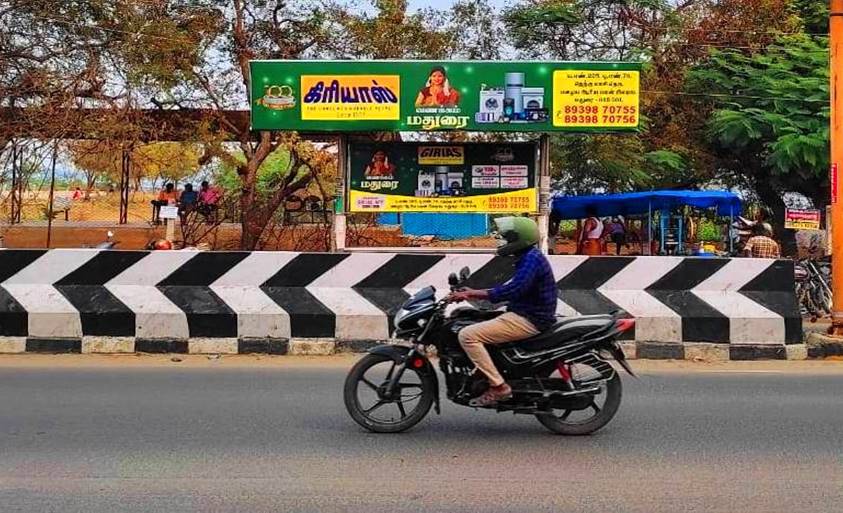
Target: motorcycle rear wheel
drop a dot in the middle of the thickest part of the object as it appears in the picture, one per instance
(557, 421)
(413, 380)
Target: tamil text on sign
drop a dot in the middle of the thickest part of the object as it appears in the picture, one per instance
(513, 96)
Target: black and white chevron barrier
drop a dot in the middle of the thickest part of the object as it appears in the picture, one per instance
(234, 302)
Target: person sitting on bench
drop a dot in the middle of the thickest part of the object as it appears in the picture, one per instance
(168, 196)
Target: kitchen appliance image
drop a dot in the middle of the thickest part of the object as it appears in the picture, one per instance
(455, 185)
(491, 105)
(532, 97)
(508, 110)
(515, 103)
(441, 184)
(514, 93)
(426, 183)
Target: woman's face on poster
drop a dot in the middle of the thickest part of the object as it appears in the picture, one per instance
(379, 156)
(437, 78)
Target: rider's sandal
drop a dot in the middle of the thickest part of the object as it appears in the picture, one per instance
(491, 396)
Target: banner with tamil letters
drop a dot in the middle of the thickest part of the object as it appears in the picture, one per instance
(801, 219)
(486, 96)
(430, 177)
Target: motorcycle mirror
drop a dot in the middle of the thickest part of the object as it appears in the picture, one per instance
(465, 272)
(453, 280)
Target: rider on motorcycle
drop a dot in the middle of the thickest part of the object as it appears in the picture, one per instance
(531, 294)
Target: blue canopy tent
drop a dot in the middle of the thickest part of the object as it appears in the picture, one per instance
(631, 203)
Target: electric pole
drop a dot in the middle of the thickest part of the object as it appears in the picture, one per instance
(835, 44)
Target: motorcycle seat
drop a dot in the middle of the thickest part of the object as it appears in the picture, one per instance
(566, 329)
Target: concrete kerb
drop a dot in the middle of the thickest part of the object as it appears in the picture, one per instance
(312, 347)
(817, 346)
(659, 350)
(706, 352)
(12, 345)
(108, 345)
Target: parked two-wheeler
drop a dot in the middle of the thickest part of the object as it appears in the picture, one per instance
(563, 376)
(813, 289)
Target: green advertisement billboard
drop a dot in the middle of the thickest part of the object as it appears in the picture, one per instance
(515, 96)
(452, 177)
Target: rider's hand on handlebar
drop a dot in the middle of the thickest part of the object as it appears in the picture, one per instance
(457, 296)
(466, 294)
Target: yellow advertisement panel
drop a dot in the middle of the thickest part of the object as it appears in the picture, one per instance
(523, 200)
(592, 99)
(350, 97)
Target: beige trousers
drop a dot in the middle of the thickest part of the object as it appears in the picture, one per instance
(507, 327)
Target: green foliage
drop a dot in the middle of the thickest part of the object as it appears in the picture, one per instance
(813, 13)
(273, 170)
(479, 35)
(581, 29)
(613, 163)
(395, 33)
(774, 106)
(708, 231)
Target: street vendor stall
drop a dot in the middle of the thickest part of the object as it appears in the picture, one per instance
(664, 203)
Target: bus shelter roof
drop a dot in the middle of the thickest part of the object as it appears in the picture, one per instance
(631, 203)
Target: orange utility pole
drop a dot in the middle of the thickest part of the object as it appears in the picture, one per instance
(835, 29)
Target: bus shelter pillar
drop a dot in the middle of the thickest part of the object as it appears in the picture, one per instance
(339, 225)
(543, 218)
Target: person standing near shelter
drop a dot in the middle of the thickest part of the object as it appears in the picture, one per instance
(761, 245)
(592, 232)
(617, 234)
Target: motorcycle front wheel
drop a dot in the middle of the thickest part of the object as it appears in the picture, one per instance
(367, 403)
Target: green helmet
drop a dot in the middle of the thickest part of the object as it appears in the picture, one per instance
(516, 234)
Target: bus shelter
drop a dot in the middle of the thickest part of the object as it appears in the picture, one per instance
(377, 109)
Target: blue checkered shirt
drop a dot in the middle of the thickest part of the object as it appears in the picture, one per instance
(531, 292)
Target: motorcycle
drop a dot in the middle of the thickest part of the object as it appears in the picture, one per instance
(562, 376)
(813, 289)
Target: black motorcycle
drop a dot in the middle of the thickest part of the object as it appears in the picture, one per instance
(562, 376)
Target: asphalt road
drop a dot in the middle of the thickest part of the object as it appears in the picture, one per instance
(255, 436)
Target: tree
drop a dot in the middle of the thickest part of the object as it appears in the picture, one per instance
(479, 30)
(586, 29)
(594, 30)
(104, 159)
(670, 38)
(393, 33)
(612, 163)
(769, 126)
(196, 55)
